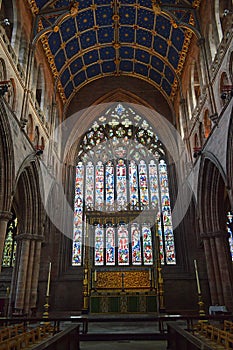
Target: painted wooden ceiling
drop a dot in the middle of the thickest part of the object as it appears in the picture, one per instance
(89, 39)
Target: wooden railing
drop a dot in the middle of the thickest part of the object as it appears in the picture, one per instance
(217, 335)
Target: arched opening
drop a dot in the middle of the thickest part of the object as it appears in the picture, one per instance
(207, 124)
(40, 88)
(30, 127)
(225, 89)
(36, 137)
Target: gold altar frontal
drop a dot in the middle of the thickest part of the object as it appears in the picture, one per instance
(123, 292)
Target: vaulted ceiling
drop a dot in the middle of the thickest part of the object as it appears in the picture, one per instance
(89, 39)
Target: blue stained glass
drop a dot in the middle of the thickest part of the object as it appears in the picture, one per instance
(121, 189)
(136, 244)
(110, 246)
(133, 183)
(78, 215)
(147, 245)
(99, 187)
(90, 181)
(123, 245)
(166, 214)
(143, 184)
(99, 245)
(109, 187)
(154, 191)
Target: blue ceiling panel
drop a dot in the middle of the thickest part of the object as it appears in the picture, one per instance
(62, 3)
(142, 56)
(84, 4)
(144, 37)
(87, 44)
(76, 65)
(72, 48)
(104, 16)
(79, 78)
(126, 66)
(90, 57)
(126, 52)
(166, 87)
(60, 59)
(160, 46)
(145, 19)
(146, 3)
(105, 35)
(85, 20)
(69, 89)
(126, 34)
(127, 15)
(157, 63)
(178, 38)
(54, 42)
(169, 74)
(88, 39)
(173, 57)
(65, 77)
(107, 53)
(141, 69)
(163, 26)
(68, 29)
(93, 70)
(108, 67)
(155, 76)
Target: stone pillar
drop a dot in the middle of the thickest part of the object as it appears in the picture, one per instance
(29, 277)
(225, 268)
(35, 276)
(220, 300)
(21, 278)
(5, 216)
(210, 270)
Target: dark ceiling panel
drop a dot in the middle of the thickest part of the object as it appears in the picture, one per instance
(106, 37)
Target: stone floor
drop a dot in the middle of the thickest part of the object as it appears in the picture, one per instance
(124, 345)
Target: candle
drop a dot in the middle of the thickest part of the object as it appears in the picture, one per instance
(48, 282)
(197, 277)
(95, 276)
(150, 276)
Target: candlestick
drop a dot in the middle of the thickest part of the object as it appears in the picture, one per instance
(197, 277)
(48, 282)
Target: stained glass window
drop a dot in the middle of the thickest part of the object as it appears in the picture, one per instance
(78, 215)
(230, 231)
(121, 186)
(110, 245)
(136, 245)
(99, 245)
(109, 187)
(122, 167)
(9, 250)
(123, 245)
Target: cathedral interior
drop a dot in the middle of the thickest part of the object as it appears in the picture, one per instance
(116, 153)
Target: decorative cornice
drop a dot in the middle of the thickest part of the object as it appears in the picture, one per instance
(33, 6)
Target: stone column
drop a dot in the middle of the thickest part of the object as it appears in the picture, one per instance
(225, 268)
(5, 216)
(22, 271)
(216, 272)
(35, 276)
(210, 270)
(29, 276)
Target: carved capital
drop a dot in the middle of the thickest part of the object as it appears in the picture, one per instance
(5, 215)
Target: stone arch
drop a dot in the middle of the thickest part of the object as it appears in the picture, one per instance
(6, 173)
(28, 201)
(40, 87)
(30, 128)
(212, 202)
